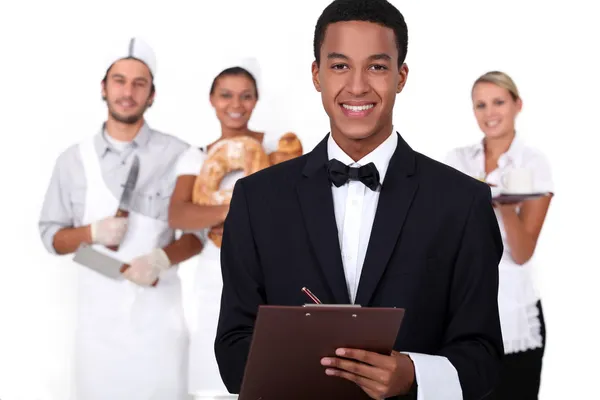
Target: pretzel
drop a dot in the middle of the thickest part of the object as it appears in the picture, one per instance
(240, 153)
(228, 155)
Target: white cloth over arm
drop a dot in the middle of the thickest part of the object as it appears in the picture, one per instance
(436, 377)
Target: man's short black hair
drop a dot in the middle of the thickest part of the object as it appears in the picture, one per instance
(377, 11)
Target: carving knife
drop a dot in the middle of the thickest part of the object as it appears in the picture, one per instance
(126, 196)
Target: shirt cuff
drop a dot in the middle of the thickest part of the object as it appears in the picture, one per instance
(436, 377)
(48, 237)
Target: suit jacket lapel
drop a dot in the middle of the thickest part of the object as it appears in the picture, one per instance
(397, 192)
(316, 202)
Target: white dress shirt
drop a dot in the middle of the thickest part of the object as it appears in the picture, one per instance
(355, 205)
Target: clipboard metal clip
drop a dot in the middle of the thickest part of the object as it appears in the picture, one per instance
(333, 305)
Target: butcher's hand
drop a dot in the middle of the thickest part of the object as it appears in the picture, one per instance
(108, 231)
(145, 270)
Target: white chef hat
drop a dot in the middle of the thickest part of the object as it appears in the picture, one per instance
(250, 64)
(132, 48)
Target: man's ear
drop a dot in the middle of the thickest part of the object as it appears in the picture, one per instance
(315, 76)
(103, 89)
(151, 99)
(403, 76)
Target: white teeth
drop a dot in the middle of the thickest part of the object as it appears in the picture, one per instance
(235, 115)
(491, 124)
(358, 108)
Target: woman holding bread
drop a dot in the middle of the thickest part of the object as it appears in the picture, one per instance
(206, 177)
(513, 169)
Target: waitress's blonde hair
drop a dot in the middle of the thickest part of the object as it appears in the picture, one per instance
(499, 79)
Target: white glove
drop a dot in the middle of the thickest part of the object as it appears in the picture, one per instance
(109, 231)
(144, 270)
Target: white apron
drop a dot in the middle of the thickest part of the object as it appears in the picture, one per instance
(131, 341)
(519, 315)
(205, 380)
(517, 298)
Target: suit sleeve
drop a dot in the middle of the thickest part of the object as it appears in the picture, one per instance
(242, 292)
(473, 340)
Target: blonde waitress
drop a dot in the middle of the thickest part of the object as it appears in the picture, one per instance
(496, 104)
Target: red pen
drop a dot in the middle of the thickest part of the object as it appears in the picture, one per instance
(312, 296)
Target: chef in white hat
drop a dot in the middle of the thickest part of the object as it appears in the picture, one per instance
(139, 56)
(131, 342)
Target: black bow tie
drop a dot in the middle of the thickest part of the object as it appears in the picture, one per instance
(340, 173)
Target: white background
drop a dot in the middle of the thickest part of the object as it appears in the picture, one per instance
(50, 72)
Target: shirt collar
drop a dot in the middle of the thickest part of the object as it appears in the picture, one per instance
(511, 156)
(140, 140)
(380, 156)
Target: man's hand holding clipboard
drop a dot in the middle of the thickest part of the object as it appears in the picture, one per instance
(379, 375)
(345, 335)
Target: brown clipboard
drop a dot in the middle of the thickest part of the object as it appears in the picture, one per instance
(288, 343)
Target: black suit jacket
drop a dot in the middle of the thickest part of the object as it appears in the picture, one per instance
(434, 250)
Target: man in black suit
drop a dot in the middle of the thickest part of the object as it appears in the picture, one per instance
(364, 219)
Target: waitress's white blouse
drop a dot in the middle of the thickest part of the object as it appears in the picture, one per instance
(517, 294)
